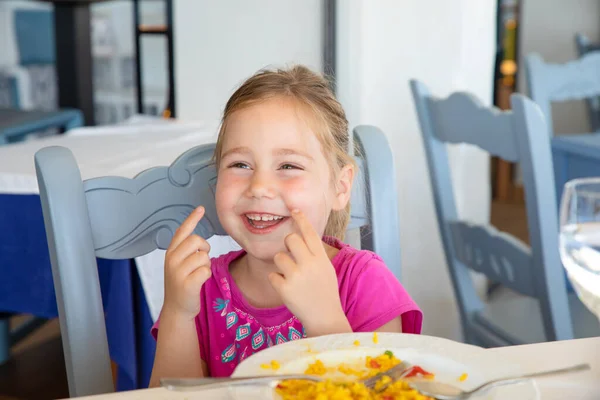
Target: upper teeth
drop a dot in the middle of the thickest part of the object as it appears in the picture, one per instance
(263, 217)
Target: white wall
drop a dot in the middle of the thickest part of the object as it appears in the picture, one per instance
(382, 44)
(220, 43)
(548, 27)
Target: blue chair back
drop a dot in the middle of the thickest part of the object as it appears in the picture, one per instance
(584, 46)
(574, 80)
(121, 218)
(35, 37)
(34, 30)
(517, 136)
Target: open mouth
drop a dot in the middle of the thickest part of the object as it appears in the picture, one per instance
(262, 221)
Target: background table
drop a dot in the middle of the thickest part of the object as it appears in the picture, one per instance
(575, 156)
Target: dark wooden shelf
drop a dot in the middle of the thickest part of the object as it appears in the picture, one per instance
(153, 29)
(74, 2)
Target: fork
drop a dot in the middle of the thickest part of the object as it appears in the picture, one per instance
(443, 391)
(187, 384)
(394, 373)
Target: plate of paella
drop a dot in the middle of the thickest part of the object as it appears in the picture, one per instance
(343, 361)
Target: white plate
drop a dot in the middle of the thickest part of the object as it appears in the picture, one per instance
(447, 359)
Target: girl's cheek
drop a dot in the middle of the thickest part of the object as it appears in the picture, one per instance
(225, 189)
(299, 184)
(301, 193)
(297, 187)
(228, 180)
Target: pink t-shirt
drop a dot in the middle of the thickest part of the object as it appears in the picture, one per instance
(230, 329)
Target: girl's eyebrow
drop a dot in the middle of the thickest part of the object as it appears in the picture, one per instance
(236, 150)
(277, 152)
(291, 152)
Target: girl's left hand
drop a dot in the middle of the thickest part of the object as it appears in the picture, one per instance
(307, 283)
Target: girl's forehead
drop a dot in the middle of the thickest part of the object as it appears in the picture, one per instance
(272, 123)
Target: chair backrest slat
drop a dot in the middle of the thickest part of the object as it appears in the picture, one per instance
(550, 82)
(132, 217)
(74, 272)
(486, 128)
(500, 256)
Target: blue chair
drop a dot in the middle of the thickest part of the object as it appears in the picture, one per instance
(532, 305)
(549, 82)
(119, 218)
(16, 124)
(584, 46)
(34, 31)
(574, 80)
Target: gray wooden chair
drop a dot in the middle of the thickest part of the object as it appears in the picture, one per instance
(585, 46)
(120, 218)
(549, 82)
(532, 305)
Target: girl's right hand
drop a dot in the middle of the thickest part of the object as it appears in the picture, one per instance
(187, 267)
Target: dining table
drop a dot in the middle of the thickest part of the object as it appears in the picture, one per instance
(530, 358)
(574, 156)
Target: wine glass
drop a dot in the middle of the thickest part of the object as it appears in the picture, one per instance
(580, 239)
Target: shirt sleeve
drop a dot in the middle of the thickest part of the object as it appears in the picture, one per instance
(375, 297)
(154, 329)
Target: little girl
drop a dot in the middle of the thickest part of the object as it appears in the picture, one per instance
(283, 190)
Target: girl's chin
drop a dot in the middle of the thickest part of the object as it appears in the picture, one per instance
(263, 251)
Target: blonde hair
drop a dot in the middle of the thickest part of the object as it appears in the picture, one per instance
(313, 92)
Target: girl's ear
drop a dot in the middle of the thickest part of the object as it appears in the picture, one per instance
(343, 187)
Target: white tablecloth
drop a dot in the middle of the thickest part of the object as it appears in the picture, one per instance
(123, 150)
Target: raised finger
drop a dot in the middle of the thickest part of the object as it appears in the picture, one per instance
(297, 247)
(310, 236)
(187, 227)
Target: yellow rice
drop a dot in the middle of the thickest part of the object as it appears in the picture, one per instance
(349, 389)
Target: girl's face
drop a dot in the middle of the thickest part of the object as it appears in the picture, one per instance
(272, 163)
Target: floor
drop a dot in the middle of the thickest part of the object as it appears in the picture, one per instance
(511, 218)
(37, 369)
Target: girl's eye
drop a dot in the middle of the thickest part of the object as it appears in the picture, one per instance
(239, 165)
(289, 166)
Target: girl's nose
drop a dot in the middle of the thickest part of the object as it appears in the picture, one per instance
(261, 185)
